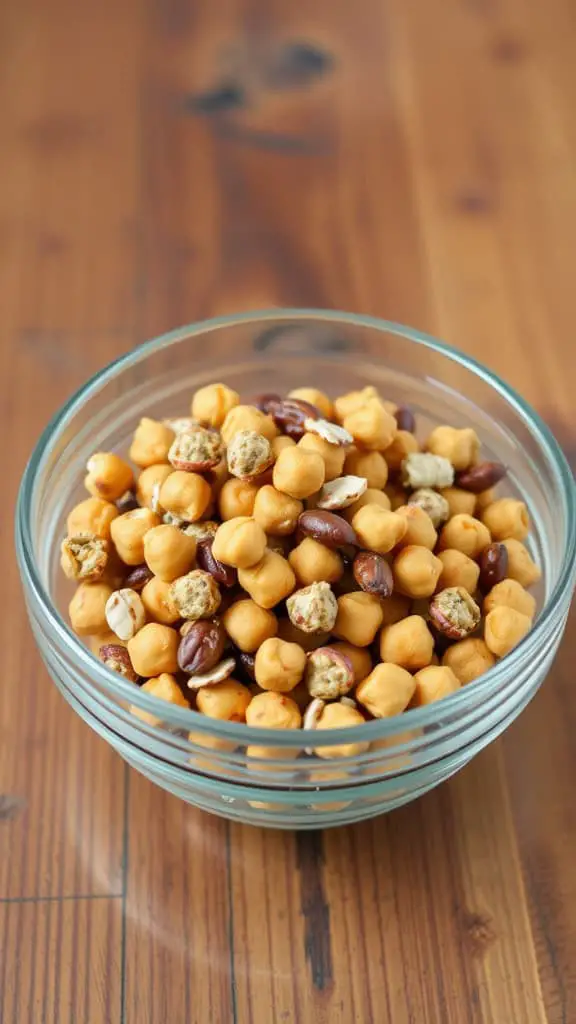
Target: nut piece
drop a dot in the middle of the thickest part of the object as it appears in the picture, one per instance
(279, 666)
(468, 659)
(422, 469)
(108, 477)
(373, 574)
(290, 415)
(481, 477)
(183, 424)
(330, 432)
(138, 577)
(125, 613)
(201, 647)
(248, 454)
(326, 527)
(313, 609)
(329, 673)
(454, 613)
(196, 452)
(387, 691)
(84, 557)
(117, 659)
(432, 503)
(493, 566)
(312, 716)
(342, 492)
(214, 675)
(405, 419)
(240, 542)
(196, 595)
(225, 575)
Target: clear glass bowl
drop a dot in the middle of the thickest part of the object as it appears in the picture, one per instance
(276, 351)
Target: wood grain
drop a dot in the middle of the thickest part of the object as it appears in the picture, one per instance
(164, 160)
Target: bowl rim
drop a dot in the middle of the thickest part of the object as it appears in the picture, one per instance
(190, 720)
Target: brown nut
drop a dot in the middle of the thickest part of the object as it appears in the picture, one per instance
(84, 557)
(117, 659)
(319, 399)
(248, 664)
(329, 673)
(196, 595)
(481, 477)
(225, 575)
(196, 452)
(328, 528)
(202, 646)
(248, 455)
(290, 416)
(127, 502)
(265, 401)
(313, 609)
(373, 574)
(405, 419)
(493, 566)
(454, 613)
(138, 577)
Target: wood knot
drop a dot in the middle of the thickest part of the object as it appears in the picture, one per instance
(479, 932)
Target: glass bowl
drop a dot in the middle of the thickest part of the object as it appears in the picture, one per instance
(214, 767)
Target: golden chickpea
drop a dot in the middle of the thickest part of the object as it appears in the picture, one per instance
(416, 571)
(485, 498)
(158, 602)
(151, 443)
(165, 687)
(332, 455)
(359, 618)
(506, 519)
(149, 483)
(299, 472)
(273, 711)
(504, 628)
(218, 477)
(419, 527)
(408, 643)
(269, 581)
(248, 417)
(98, 640)
(278, 444)
(371, 496)
(240, 542)
(387, 691)
(433, 683)
(466, 534)
(459, 501)
(460, 447)
(276, 512)
(128, 532)
(458, 571)
(340, 716)
(187, 495)
(169, 552)
(378, 529)
(87, 609)
(403, 444)
(248, 625)
(468, 659)
(154, 649)
(359, 656)
(279, 666)
(521, 566)
(371, 465)
(308, 641)
(395, 608)
(94, 515)
(313, 562)
(109, 477)
(396, 494)
(227, 701)
(510, 594)
(371, 426)
(237, 498)
(212, 403)
(315, 397)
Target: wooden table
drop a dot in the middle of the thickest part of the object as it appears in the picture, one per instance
(167, 160)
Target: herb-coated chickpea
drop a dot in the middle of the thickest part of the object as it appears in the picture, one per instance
(237, 498)
(248, 417)
(507, 518)
(396, 494)
(371, 465)
(378, 529)
(87, 609)
(395, 608)
(128, 532)
(272, 710)
(521, 565)
(313, 562)
(187, 495)
(340, 716)
(511, 594)
(346, 404)
(332, 455)
(276, 512)
(468, 659)
(433, 683)
(227, 701)
(308, 641)
(504, 628)
(315, 397)
(239, 542)
(299, 472)
(408, 643)
(93, 515)
(460, 447)
(387, 691)
(149, 483)
(403, 444)
(371, 496)
(359, 618)
(158, 602)
(279, 666)
(466, 534)
(212, 403)
(416, 571)
(278, 444)
(359, 656)
(108, 476)
(248, 625)
(169, 552)
(268, 582)
(165, 687)
(419, 527)
(371, 426)
(458, 571)
(151, 443)
(460, 501)
(154, 649)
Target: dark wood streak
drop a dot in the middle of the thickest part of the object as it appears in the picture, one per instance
(11, 806)
(310, 860)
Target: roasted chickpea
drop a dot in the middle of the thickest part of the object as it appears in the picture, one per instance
(332, 455)
(158, 602)
(396, 494)
(313, 562)
(460, 447)
(169, 552)
(239, 542)
(395, 608)
(419, 527)
(94, 515)
(212, 403)
(466, 534)
(128, 532)
(248, 417)
(165, 687)
(149, 483)
(378, 529)
(359, 656)
(408, 643)
(521, 566)
(299, 472)
(151, 443)
(404, 444)
(277, 513)
(227, 701)
(510, 594)
(279, 443)
(485, 498)
(371, 465)
(359, 618)
(371, 426)
(458, 571)
(340, 716)
(237, 498)
(154, 649)
(354, 400)
(504, 628)
(315, 397)
(279, 666)
(468, 659)
(187, 495)
(268, 582)
(370, 497)
(87, 609)
(109, 477)
(248, 625)
(273, 711)
(416, 571)
(459, 502)
(507, 519)
(387, 691)
(433, 683)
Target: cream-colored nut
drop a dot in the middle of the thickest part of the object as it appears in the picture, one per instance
(268, 582)
(424, 469)
(308, 641)
(278, 444)
(212, 403)
(87, 609)
(359, 618)
(187, 495)
(165, 687)
(387, 691)
(204, 530)
(341, 716)
(408, 643)
(279, 666)
(299, 472)
(273, 711)
(248, 625)
(94, 515)
(223, 670)
(510, 594)
(507, 519)
(158, 602)
(329, 674)
(128, 532)
(330, 432)
(109, 477)
(277, 513)
(196, 595)
(370, 497)
(315, 397)
(249, 454)
(371, 426)
(378, 529)
(404, 444)
(521, 565)
(313, 609)
(227, 701)
(466, 534)
(416, 571)
(433, 683)
(468, 659)
(395, 608)
(182, 424)
(151, 443)
(149, 484)
(169, 552)
(239, 542)
(237, 498)
(312, 716)
(459, 501)
(354, 400)
(248, 417)
(332, 456)
(154, 650)
(313, 562)
(342, 492)
(84, 557)
(115, 657)
(371, 466)
(419, 527)
(197, 451)
(125, 613)
(431, 502)
(458, 570)
(460, 447)
(359, 656)
(504, 628)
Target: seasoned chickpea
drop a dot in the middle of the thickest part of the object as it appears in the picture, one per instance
(212, 403)
(433, 683)
(504, 628)
(458, 571)
(237, 498)
(128, 532)
(308, 641)
(485, 498)
(507, 519)
(94, 515)
(332, 455)
(419, 527)
(279, 666)
(165, 687)
(378, 529)
(315, 397)
(466, 534)
(460, 501)
(108, 477)
(248, 455)
(408, 643)
(87, 609)
(186, 495)
(158, 602)
(248, 417)
(404, 444)
(340, 716)
(151, 443)
(313, 562)
(371, 496)
(248, 625)
(359, 656)
(371, 465)
(387, 691)
(269, 581)
(359, 618)
(239, 542)
(154, 649)
(396, 494)
(395, 608)
(149, 483)
(521, 566)
(227, 701)
(272, 710)
(277, 513)
(299, 472)
(468, 659)
(196, 595)
(279, 443)
(510, 594)
(460, 447)
(354, 400)
(416, 571)
(371, 426)
(168, 552)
